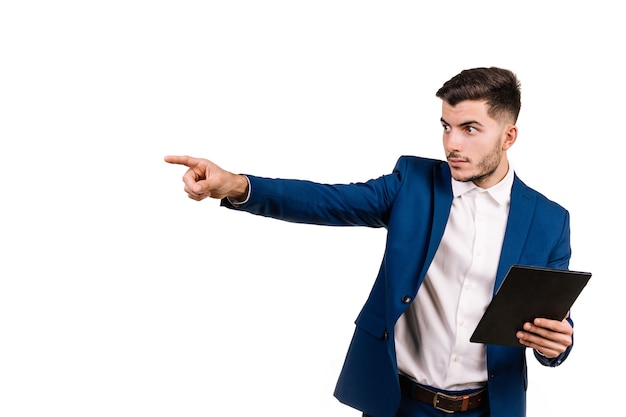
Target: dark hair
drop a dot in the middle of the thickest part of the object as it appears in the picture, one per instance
(499, 87)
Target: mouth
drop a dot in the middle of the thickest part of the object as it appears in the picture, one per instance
(457, 162)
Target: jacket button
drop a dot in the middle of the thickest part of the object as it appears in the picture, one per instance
(406, 299)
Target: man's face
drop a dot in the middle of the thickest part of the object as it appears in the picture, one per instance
(476, 144)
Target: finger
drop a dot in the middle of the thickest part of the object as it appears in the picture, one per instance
(201, 188)
(554, 325)
(543, 336)
(549, 342)
(190, 179)
(547, 348)
(545, 351)
(195, 197)
(181, 160)
(196, 192)
(550, 329)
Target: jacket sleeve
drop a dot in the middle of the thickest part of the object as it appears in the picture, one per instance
(559, 259)
(300, 201)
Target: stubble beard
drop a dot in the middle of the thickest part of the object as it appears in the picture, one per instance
(487, 166)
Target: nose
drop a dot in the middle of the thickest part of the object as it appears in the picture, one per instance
(453, 141)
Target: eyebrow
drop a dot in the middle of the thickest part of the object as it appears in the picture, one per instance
(469, 122)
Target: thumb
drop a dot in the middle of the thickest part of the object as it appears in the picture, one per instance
(207, 188)
(202, 187)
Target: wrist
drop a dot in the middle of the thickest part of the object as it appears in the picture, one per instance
(241, 189)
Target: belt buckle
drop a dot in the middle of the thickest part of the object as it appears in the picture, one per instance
(447, 397)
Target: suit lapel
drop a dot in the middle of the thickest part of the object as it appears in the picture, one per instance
(442, 202)
(520, 215)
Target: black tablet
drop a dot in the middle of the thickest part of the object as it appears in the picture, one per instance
(527, 293)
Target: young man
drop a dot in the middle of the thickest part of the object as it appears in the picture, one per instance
(454, 228)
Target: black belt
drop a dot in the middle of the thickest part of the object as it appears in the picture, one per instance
(442, 401)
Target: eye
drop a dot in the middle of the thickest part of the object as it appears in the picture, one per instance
(446, 128)
(471, 129)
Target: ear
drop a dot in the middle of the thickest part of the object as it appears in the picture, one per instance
(510, 135)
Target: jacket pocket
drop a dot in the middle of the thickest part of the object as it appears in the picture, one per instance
(372, 323)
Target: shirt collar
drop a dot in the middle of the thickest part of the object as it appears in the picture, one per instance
(500, 192)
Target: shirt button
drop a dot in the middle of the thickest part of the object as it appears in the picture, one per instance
(406, 299)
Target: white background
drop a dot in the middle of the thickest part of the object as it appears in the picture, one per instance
(119, 296)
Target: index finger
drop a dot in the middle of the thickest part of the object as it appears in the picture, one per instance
(181, 160)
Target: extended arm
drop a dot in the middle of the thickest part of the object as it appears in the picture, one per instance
(302, 201)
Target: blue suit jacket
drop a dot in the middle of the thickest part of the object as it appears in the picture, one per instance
(413, 204)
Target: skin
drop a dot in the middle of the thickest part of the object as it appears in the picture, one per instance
(205, 179)
(475, 145)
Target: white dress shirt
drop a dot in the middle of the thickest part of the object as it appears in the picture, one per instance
(432, 336)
